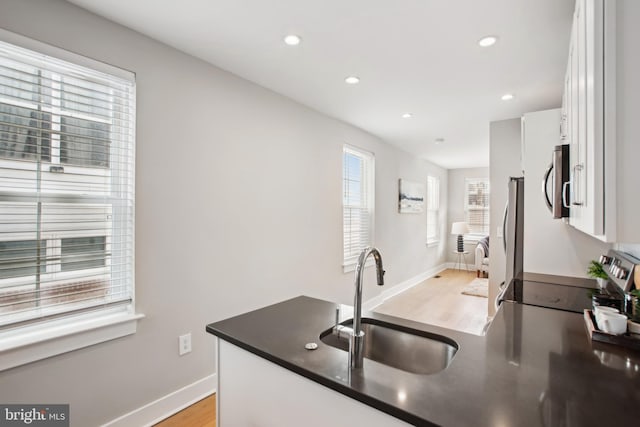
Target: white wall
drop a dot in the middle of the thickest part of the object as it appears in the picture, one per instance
(457, 179)
(550, 245)
(628, 126)
(633, 249)
(220, 163)
(504, 155)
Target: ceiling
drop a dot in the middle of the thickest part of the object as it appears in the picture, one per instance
(416, 56)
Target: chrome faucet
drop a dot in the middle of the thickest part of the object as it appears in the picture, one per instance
(356, 340)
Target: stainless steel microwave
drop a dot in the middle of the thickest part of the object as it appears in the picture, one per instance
(555, 184)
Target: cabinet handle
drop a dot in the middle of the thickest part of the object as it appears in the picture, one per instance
(563, 127)
(575, 188)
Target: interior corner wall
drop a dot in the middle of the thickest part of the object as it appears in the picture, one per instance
(504, 161)
(457, 179)
(238, 206)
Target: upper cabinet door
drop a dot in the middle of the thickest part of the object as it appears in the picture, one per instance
(585, 120)
(573, 123)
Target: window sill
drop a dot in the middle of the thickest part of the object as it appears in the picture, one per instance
(351, 266)
(433, 243)
(36, 342)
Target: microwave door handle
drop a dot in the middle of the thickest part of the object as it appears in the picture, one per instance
(565, 193)
(545, 193)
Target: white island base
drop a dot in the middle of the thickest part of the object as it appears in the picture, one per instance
(255, 392)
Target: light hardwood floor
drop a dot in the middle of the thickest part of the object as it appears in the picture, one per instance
(439, 301)
(200, 414)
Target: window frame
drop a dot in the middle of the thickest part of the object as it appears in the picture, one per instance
(368, 182)
(433, 239)
(474, 236)
(29, 342)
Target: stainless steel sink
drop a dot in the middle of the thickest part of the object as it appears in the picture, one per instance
(407, 349)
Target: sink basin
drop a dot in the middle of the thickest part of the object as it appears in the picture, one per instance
(407, 349)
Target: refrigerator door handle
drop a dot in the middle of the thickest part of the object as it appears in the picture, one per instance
(502, 289)
(545, 193)
(504, 227)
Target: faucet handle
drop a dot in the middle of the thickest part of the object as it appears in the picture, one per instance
(337, 315)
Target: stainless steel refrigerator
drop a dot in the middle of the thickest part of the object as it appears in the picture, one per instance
(513, 234)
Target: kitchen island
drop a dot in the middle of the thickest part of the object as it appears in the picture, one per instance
(535, 366)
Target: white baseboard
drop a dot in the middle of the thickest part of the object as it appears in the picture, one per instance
(156, 411)
(403, 286)
(455, 266)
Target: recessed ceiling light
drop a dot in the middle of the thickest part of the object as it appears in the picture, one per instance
(292, 40)
(487, 41)
(352, 80)
(407, 115)
(439, 141)
(507, 97)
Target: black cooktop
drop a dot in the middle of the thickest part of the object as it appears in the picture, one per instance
(560, 293)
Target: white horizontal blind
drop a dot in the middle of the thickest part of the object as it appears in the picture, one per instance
(357, 202)
(433, 208)
(66, 187)
(477, 205)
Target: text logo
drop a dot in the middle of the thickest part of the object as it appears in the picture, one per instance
(34, 415)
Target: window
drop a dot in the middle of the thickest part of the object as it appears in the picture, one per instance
(476, 205)
(66, 188)
(433, 209)
(357, 202)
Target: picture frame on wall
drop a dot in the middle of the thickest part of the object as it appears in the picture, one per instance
(411, 196)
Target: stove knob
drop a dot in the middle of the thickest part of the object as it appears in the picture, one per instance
(604, 259)
(614, 264)
(621, 273)
(614, 270)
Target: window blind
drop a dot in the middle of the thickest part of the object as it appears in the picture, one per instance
(477, 205)
(66, 187)
(433, 208)
(357, 202)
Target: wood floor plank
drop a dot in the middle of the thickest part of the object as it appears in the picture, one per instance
(439, 301)
(200, 414)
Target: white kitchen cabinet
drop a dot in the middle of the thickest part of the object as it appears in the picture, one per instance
(255, 392)
(598, 101)
(583, 95)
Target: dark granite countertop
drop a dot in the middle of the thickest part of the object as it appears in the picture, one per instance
(534, 367)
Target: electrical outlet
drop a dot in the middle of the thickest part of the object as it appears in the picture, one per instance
(184, 344)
